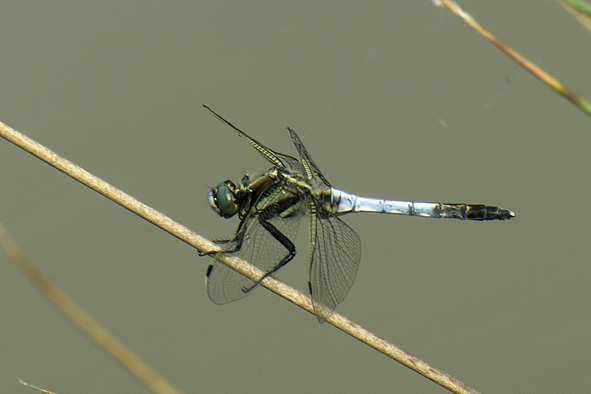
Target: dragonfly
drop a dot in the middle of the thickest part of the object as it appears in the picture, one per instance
(270, 206)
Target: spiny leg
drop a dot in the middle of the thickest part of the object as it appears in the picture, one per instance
(283, 240)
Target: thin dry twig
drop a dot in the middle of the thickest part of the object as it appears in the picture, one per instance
(35, 387)
(543, 76)
(202, 244)
(90, 327)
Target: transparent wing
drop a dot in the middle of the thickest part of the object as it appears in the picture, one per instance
(310, 168)
(264, 239)
(335, 253)
(277, 159)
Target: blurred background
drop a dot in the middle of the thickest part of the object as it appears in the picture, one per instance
(393, 100)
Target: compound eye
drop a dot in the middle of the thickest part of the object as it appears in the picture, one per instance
(222, 199)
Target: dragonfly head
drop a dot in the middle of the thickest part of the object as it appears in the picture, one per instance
(222, 199)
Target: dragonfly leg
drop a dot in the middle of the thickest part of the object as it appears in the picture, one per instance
(228, 245)
(283, 240)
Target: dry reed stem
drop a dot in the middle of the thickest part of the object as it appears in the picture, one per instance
(202, 244)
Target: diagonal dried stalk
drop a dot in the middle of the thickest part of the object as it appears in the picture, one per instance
(35, 387)
(204, 245)
(91, 328)
(536, 71)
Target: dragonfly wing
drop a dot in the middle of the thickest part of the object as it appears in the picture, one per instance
(224, 284)
(265, 240)
(279, 160)
(310, 168)
(335, 253)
